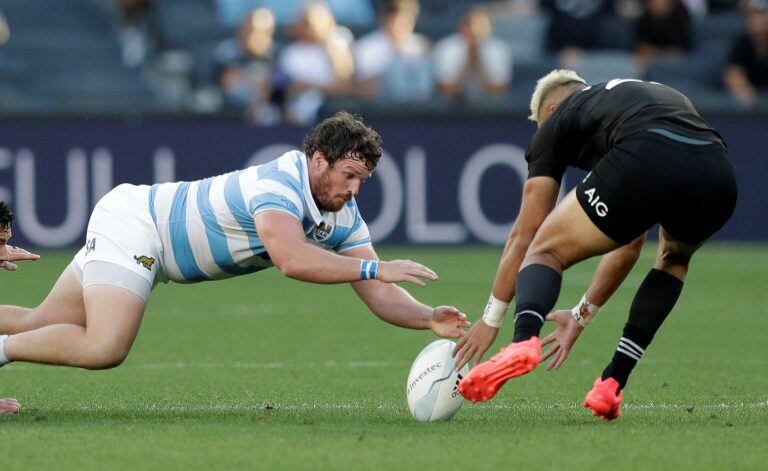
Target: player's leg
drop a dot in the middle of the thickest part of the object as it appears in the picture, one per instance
(566, 237)
(696, 201)
(63, 305)
(654, 300)
(113, 317)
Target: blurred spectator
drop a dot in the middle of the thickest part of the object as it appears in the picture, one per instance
(574, 26)
(662, 31)
(746, 74)
(317, 64)
(392, 62)
(722, 6)
(133, 31)
(347, 12)
(471, 62)
(246, 66)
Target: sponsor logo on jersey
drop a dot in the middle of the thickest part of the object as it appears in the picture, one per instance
(594, 200)
(144, 261)
(322, 232)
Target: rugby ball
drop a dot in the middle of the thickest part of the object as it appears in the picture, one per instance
(432, 389)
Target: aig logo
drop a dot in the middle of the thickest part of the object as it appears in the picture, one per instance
(600, 208)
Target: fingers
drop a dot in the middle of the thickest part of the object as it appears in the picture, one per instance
(14, 254)
(549, 338)
(552, 350)
(561, 358)
(420, 270)
(478, 356)
(8, 266)
(464, 356)
(414, 280)
(459, 346)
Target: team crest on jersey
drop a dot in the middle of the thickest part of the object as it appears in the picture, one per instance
(322, 232)
(144, 261)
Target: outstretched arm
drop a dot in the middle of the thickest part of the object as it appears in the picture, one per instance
(287, 246)
(611, 272)
(539, 197)
(8, 253)
(396, 306)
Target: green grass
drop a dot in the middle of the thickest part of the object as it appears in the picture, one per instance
(262, 372)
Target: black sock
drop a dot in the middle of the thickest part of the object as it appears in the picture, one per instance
(654, 300)
(538, 287)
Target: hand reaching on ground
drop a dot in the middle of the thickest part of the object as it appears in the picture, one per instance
(563, 338)
(474, 344)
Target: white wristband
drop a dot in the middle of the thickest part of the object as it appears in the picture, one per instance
(494, 312)
(585, 312)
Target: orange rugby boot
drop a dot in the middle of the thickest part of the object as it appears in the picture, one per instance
(485, 379)
(603, 400)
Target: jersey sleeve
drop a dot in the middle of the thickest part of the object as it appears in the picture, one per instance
(357, 237)
(544, 155)
(276, 194)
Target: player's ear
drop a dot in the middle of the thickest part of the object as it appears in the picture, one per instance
(318, 158)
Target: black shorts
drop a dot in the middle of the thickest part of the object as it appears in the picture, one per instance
(690, 189)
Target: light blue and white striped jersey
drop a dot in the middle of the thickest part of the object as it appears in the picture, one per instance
(206, 227)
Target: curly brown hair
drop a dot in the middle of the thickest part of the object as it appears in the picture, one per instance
(6, 216)
(342, 136)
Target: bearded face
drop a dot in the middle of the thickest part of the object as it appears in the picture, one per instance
(335, 185)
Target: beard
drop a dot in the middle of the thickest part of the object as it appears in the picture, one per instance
(325, 200)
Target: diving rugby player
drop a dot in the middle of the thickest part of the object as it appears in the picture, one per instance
(297, 213)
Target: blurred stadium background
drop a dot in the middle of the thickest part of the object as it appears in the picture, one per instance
(263, 372)
(94, 93)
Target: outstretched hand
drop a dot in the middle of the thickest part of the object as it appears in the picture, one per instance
(447, 321)
(10, 254)
(396, 271)
(564, 336)
(474, 344)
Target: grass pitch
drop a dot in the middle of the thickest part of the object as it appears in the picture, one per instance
(262, 372)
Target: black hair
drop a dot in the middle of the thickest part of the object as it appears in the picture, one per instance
(6, 216)
(344, 135)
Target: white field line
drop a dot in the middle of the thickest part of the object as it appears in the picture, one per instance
(181, 365)
(353, 406)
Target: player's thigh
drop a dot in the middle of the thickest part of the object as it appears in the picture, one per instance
(568, 236)
(63, 305)
(703, 199)
(113, 318)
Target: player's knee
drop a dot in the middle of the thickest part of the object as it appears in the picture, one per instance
(543, 255)
(104, 356)
(673, 262)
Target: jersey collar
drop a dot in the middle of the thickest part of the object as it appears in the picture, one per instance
(314, 212)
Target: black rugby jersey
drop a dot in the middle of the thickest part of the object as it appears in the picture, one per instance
(588, 123)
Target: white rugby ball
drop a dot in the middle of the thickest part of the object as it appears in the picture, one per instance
(433, 385)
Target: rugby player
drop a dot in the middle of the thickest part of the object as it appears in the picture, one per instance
(651, 159)
(9, 253)
(285, 213)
